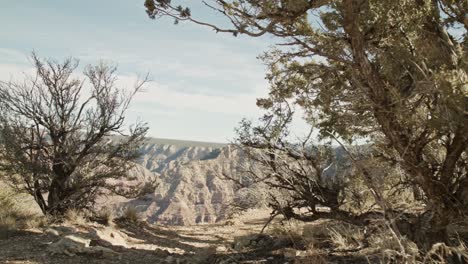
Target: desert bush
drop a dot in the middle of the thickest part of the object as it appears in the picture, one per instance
(75, 216)
(316, 235)
(37, 221)
(8, 223)
(440, 253)
(130, 214)
(289, 230)
(345, 236)
(336, 235)
(104, 216)
(58, 135)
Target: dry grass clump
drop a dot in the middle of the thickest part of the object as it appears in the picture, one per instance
(130, 214)
(307, 241)
(341, 237)
(379, 245)
(104, 216)
(289, 230)
(35, 221)
(330, 234)
(315, 232)
(75, 217)
(441, 254)
(8, 212)
(13, 217)
(345, 236)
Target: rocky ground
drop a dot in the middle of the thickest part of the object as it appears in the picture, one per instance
(125, 242)
(190, 194)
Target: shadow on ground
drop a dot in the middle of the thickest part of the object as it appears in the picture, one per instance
(153, 244)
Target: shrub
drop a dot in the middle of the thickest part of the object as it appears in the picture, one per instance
(82, 115)
(130, 214)
(291, 231)
(104, 216)
(75, 217)
(345, 236)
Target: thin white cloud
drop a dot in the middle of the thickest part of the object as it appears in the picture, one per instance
(211, 78)
(157, 95)
(168, 110)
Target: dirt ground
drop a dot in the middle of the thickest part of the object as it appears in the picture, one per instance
(145, 244)
(217, 243)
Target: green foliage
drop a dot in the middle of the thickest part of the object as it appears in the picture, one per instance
(391, 72)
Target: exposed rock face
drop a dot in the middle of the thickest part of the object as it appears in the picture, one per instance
(191, 189)
(192, 185)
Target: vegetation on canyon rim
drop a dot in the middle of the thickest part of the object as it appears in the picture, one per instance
(393, 72)
(390, 72)
(54, 135)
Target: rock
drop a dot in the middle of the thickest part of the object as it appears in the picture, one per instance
(221, 249)
(69, 245)
(52, 232)
(109, 235)
(64, 230)
(100, 252)
(189, 191)
(99, 242)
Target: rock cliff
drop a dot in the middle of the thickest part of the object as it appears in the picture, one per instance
(191, 187)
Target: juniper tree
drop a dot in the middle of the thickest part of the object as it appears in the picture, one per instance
(57, 134)
(390, 71)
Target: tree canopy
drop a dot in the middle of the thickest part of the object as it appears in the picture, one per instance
(390, 71)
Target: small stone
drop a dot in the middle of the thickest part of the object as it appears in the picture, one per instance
(68, 253)
(53, 232)
(65, 230)
(221, 249)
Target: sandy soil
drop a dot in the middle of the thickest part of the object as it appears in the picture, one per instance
(147, 244)
(214, 243)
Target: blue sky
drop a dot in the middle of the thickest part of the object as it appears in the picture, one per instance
(203, 83)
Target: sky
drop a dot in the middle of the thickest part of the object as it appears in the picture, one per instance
(202, 83)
